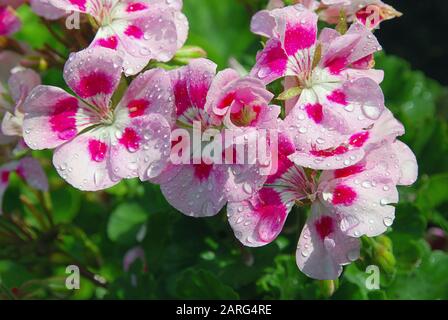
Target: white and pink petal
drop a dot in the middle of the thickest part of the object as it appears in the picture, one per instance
(150, 92)
(323, 247)
(85, 161)
(142, 148)
(196, 190)
(31, 171)
(258, 220)
(94, 74)
(52, 117)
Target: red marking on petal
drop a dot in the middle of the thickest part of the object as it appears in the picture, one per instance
(202, 171)
(315, 112)
(181, 96)
(298, 37)
(20, 172)
(329, 152)
(343, 195)
(336, 65)
(285, 145)
(364, 63)
(93, 84)
(4, 177)
(198, 91)
(97, 150)
(272, 214)
(358, 139)
(137, 107)
(81, 4)
(111, 42)
(338, 96)
(324, 226)
(130, 139)
(136, 6)
(273, 60)
(227, 100)
(63, 119)
(345, 172)
(134, 31)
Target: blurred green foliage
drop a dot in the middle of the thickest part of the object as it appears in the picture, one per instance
(191, 258)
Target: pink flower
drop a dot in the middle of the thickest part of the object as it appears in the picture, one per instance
(334, 101)
(8, 60)
(138, 30)
(20, 84)
(12, 3)
(309, 4)
(46, 10)
(9, 21)
(98, 144)
(224, 101)
(346, 204)
(368, 12)
(29, 169)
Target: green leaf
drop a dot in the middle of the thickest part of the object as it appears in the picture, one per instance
(433, 192)
(429, 281)
(13, 274)
(285, 281)
(34, 32)
(202, 284)
(210, 28)
(66, 204)
(125, 222)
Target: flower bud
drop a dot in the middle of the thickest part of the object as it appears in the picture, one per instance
(383, 254)
(187, 53)
(328, 287)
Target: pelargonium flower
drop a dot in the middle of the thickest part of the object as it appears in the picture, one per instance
(98, 144)
(9, 21)
(8, 60)
(12, 3)
(46, 10)
(334, 101)
(309, 4)
(29, 169)
(224, 101)
(368, 12)
(345, 205)
(138, 30)
(20, 84)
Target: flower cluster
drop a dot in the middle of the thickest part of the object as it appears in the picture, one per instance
(332, 145)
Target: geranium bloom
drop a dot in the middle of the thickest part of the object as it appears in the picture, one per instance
(368, 12)
(45, 9)
(98, 144)
(224, 101)
(334, 100)
(12, 3)
(20, 84)
(9, 21)
(346, 204)
(137, 30)
(29, 169)
(309, 4)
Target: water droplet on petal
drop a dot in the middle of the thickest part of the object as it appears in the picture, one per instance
(388, 221)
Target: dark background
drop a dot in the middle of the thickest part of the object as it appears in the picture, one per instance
(420, 35)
